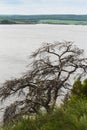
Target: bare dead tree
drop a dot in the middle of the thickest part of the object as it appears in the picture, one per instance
(52, 68)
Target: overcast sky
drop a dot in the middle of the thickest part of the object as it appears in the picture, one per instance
(43, 7)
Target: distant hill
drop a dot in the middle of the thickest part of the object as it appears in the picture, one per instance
(49, 19)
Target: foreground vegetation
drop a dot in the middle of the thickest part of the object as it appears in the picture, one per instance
(70, 115)
(73, 116)
(44, 19)
(52, 68)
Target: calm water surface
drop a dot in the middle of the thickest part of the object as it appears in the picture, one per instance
(18, 41)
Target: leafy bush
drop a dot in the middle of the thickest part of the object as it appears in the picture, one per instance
(80, 88)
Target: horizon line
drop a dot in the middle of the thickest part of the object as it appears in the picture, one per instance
(43, 14)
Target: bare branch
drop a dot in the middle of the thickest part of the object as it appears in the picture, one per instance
(51, 70)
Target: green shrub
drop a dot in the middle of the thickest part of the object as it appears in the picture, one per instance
(72, 116)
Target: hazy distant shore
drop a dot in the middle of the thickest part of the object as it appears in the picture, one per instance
(44, 22)
(44, 19)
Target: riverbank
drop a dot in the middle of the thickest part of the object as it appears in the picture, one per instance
(55, 22)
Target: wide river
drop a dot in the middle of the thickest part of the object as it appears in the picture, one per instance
(18, 41)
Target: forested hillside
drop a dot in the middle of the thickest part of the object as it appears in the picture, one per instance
(49, 19)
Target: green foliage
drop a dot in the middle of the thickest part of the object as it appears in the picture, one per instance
(80, 88)
(7, 22)
(77, 87)
(73, 116)
(84, 88)
(23, 124)
(77, 109)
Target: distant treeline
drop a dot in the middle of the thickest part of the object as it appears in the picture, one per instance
(51, 19)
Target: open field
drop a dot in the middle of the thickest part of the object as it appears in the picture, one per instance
(65, 22)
